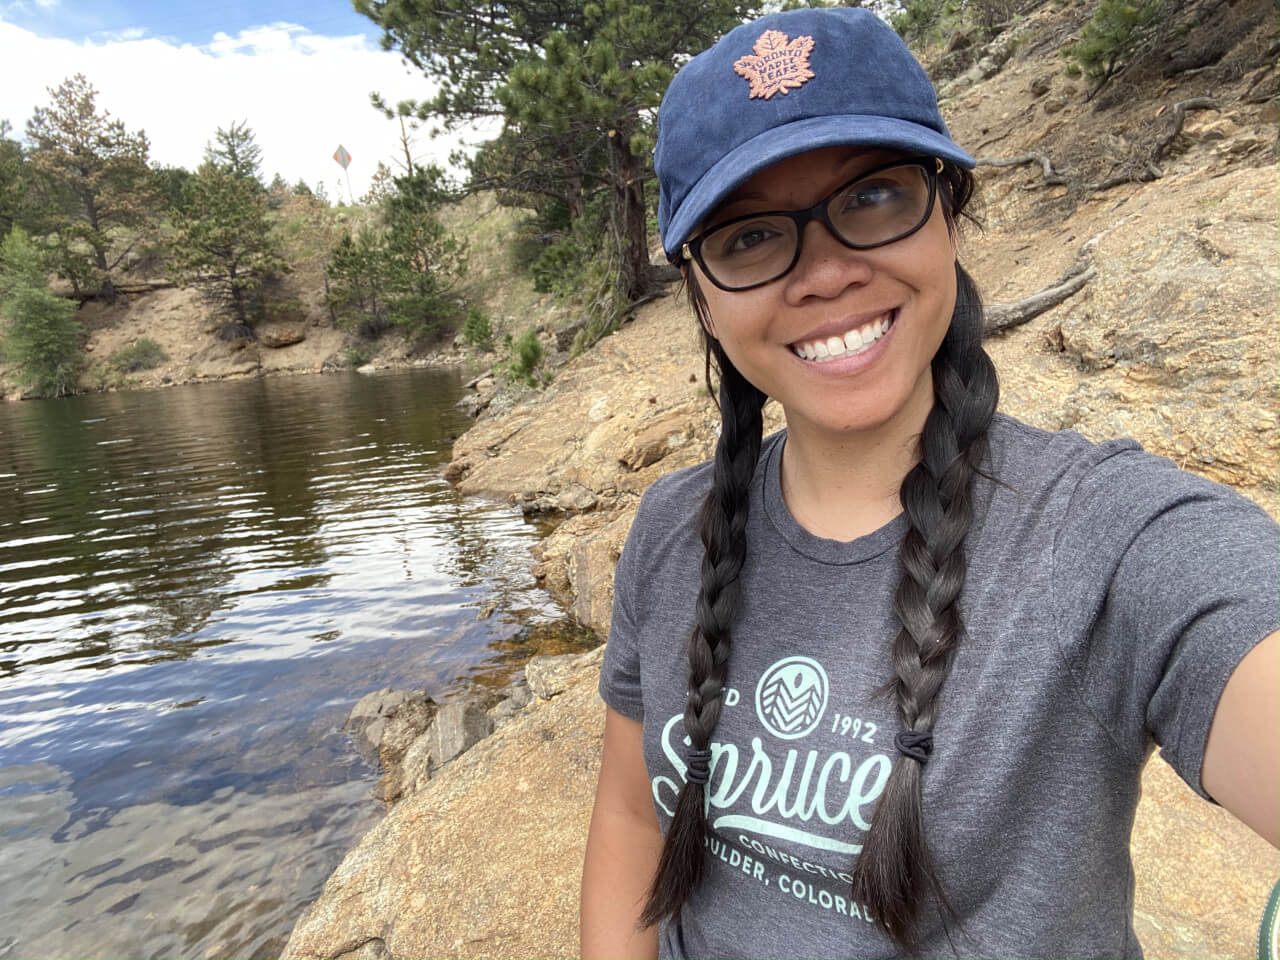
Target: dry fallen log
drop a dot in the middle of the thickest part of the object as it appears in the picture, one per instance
(1147, 171)
(1005, 316)
(1052, 177)
(471, 384)
(1150, 169)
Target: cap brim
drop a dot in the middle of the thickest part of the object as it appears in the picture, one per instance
(801, 136)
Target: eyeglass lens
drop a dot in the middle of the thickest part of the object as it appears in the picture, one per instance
(877, 209)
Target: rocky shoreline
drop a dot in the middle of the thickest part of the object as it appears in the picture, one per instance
(483, 859)
(412, 739)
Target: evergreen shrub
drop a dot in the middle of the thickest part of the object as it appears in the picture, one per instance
(146, 354)
(477, 330)
(526, 354)
(40, 334)
(1109, 40)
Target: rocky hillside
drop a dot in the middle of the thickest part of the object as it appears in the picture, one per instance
(1161, 194)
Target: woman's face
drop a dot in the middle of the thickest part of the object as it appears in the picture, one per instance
(773, 333)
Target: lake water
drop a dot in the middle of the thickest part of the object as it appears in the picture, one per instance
(196, 585)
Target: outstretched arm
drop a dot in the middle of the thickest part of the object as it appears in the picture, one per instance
(623, 847)
(1242, 757)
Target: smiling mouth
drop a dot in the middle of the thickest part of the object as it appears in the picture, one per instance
(852, 342)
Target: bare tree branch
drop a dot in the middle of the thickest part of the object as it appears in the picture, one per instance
(1006, 316)
(1051, 177)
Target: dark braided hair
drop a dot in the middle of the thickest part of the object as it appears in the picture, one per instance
(722, 526)
(894, 871)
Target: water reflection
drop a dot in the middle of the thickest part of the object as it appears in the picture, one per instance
(195, 585)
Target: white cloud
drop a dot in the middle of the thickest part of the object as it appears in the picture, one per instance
(301, 93)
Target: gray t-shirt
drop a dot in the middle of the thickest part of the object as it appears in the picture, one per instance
(1109, 596)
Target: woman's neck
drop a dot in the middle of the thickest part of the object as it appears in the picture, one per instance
(842, 486)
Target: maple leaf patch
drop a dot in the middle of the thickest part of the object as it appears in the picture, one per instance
(778, 65)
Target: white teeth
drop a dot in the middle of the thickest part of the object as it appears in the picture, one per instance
(853, 342)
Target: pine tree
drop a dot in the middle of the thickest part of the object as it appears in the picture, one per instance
(575, 84)
(400, 273)
(225, 244)
(357, 282)
(16, 194)
(424, 260)
(235, 150)
(41, 335)
(98, 184)
(168, 183)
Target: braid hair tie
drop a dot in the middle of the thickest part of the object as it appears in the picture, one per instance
(915, 745)
(698, 768)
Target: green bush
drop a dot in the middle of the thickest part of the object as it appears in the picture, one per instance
(558, 266)
(41, 335)
(143, 355)
(477, 330)
(356, 356)
(1115, 32)
(920, 21)
(526, 354)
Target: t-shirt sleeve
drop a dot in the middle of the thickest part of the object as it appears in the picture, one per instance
(620, 671)
(1163, 581)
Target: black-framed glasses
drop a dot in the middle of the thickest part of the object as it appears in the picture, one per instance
(877, 207)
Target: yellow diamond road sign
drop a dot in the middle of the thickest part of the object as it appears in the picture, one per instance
(342, 156)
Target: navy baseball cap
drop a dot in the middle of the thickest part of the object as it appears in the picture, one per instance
(781, 85)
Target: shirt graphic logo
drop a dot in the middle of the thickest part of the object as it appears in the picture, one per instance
(791, 697)
(777, 66)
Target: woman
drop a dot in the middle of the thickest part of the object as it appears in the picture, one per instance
(885, 682)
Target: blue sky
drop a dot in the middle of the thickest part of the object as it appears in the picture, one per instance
(183, 22)
(299, 73)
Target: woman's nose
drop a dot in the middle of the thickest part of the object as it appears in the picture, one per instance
(826, 266)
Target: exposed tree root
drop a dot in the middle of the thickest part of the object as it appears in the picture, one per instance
(1149, 170)
(1006, 316)
(1051, 176)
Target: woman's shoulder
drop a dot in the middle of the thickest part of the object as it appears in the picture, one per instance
(1113, 480)
(1031, 459)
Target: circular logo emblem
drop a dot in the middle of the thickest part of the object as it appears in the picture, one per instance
(791, 697)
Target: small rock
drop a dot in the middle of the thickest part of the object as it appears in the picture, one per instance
(549, 675)
(521, 695)
(458, 726)
(502, 712)
(415, 768)
(656, 441)
(1040, 86)
(474, 404)
(369, 718)
(282, 338)
(577, 499)
(564, 338)
(1054, 104)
